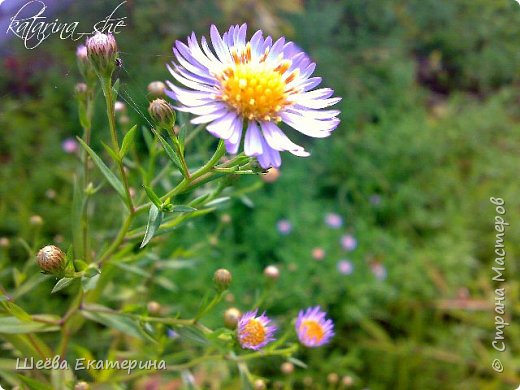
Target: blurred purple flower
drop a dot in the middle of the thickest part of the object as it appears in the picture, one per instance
(284, 226)
(345, 267)
(348, 242)
(70, 145)
(313, 328)
(375, 199)
(333, 220)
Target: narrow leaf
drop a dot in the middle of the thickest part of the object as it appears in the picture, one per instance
(154, 221)
(181, 209)
(13, 325)
(109, 175)
(172, 155)
(62, 283)
(153, 196)
(128, 141)
(111, 151)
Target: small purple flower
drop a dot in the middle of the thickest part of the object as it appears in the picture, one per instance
(378, 270)
(246, 89)
(345, 267)
(375, 199)
(318, 253)
(254, 332)
(70, 145)
(284, 226)
(172, 334)
(333, 220)
(313, 328)
(348, 242)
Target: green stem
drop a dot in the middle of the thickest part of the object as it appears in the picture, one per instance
(109, 99)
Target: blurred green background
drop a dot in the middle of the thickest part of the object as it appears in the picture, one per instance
(430, 131)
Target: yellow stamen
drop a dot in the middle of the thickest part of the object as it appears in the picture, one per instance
(255, 89)
(253, 333)
(313, 330)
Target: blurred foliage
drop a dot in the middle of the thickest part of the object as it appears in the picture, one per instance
(430, 130)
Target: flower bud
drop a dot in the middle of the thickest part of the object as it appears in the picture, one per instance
(52, 260)
(4, 242)
(231, 317)
(36, 220)
(226, 218)
(156, 88)
(162, 114)
(222, 279)
(272, 272)
(102, 53)
(271, 175)
(347, 381)
(81, 91)
(119, 107)
(287, 368)
(154, 308)
(259, 384)
(82, 386)
(333, 378)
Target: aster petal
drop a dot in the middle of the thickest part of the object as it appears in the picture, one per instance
(253, 140)
(233, 142)
(218, 44)
(309, 126)
(221, 113)
(277, 140)
(223, 127)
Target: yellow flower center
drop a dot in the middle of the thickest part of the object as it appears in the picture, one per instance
(253, 333)
(313, 330)
(255, 89)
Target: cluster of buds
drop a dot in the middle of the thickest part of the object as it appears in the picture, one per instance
(52, 260)
(102, 53)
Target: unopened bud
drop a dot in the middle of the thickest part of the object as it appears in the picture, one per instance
(124, 119)
(272, 272)
(36, 220)
(102, 53)
(4, 242)
(162, 114)
(82, 386)
(81, 89)
(156, 88)
(52, 260)
(231, 317)
(226, 218)
(333, 378)
(271, 175)
(307, 381)
(154, 308)
(222, 279)
(119, 107)
(287, 368)
(259, 384)
(347, 381)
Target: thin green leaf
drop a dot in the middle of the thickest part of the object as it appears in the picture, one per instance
(153, 196)
(33, 384)
(89, 283)
(179, 208)
(128, 141)
(115, 321)
(13, 325)
(16, 311)
(192, 334)
(62, 283)
(154, 221)
(111, 151)
(172, 155)
(109, 175)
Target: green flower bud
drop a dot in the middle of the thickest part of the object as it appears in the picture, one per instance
(154, 308)
(222, 279)
(102, 53)
(84, 65)
(52, 260)
(333, 378)
(162, 114)
(287, 368)
(259, 385)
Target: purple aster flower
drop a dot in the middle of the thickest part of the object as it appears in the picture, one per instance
(348, 242)
(375, 199)
(251, 87)
(333, 220)
(254, 332)
(313, 328)
(284, 226)
(345, 267)
(70, 145)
